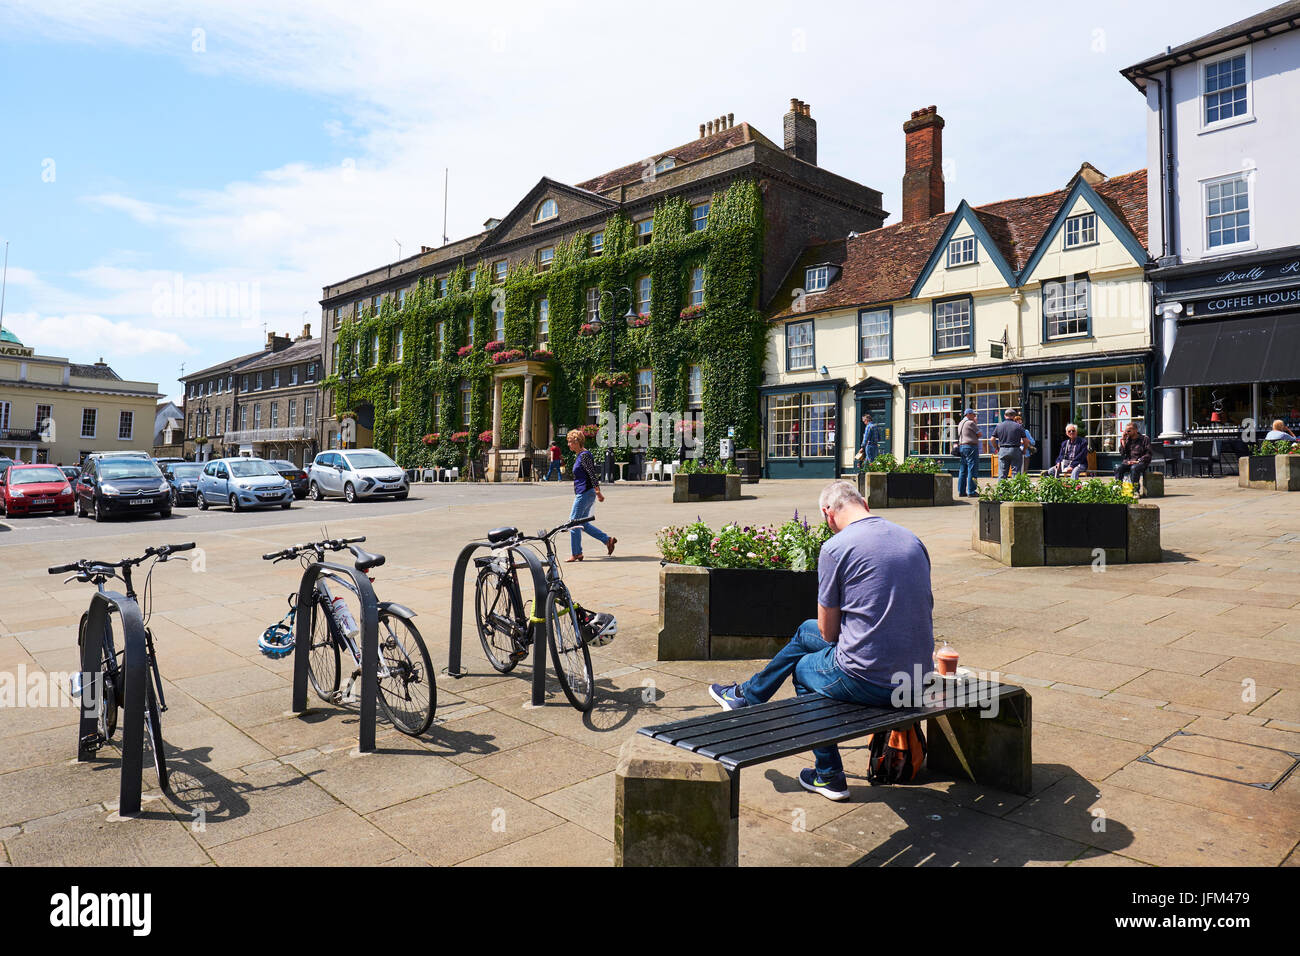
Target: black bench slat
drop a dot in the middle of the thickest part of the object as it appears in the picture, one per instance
(729, 716)
(792, 717)
(777, 738)
(772, 745)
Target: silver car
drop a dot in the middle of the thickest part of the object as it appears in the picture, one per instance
(355, 473)
(242, 483)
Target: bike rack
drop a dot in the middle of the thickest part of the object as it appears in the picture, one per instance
(540, 590)
(133, 676)
(369, 646)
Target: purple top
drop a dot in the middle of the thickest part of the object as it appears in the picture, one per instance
(584, 473)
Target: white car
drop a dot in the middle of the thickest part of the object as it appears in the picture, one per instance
(355, 473)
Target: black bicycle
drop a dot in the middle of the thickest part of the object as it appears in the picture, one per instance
(505, 622)
(111, 695)
(407, 694)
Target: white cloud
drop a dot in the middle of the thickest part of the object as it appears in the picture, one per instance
(92, 335)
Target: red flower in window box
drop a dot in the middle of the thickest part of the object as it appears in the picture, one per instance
(430, 439)
(543, 355)
(510, 355)
(691, 312)
(464, 350)
(640, 322)
(493, 346)
(485, 438)
(588, 328)
(460, 437)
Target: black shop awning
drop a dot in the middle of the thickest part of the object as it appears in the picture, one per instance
(1233, 351)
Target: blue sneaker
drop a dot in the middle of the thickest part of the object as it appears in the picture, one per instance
(836, 788)
(728, 696)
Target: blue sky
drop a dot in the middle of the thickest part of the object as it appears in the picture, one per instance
(271, 148)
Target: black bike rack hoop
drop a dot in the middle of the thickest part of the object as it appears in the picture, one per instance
(134, 675)
(369, 645)
(540, 590)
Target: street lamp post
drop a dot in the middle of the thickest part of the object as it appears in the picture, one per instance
(347, 374)
(613, 364)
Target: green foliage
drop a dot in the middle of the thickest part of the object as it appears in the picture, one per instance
(728, 341)
(1049, 489)
(794, 546)
(1280, 446)
(887, 463)
(700, 466)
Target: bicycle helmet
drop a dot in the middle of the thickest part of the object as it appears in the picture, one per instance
(601, 627)
(276, 641)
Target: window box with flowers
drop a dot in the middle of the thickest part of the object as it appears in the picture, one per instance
(431, 438)
(640, 322)
(607, 380)
(494, 346)
(460, 437)
(508, 356)
(691, 313)
(543, 355)
(738, 592)
(464, 350)
(485, 437)
(589, 328)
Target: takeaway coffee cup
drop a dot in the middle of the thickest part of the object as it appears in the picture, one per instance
(945, 660)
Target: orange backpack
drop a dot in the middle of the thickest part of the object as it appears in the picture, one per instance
(897, 756)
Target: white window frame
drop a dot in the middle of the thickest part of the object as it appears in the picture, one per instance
(644, 287)
(1247, 176)
(665, 164)
(94, 429)
(816, 279)
(697, 286)
(644, 231)
(4, 415)
(125, 417)
(275, 416)
(874, 314)
(598, 242)
(398, 346)
(695, 386)
(5, 411)
(1201, 69)
(700, 222)
(961, 245)
(648, 376)
(1083, 229)
(548, 209)
(593, 305)
(545, 258)
(543, 321)
(810, 345)
(499, 270)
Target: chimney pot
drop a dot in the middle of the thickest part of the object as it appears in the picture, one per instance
(800, 132)
(923, 195)
(731, 120)
(701, 131)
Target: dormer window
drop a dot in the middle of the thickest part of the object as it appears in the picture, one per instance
(665, 164)
(816, 278)
(961, 252)
(546, 211)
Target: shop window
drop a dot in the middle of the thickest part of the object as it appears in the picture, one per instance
(1107, 399)
(990, 397)
(932, 408)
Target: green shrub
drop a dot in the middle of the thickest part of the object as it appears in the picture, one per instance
(1052, 490)
(887, 463)
(794, 546)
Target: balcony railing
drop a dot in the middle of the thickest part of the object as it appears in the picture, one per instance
(249, 435)
(20, 434)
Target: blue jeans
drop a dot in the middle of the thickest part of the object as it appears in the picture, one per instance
(811, 661)
(553, 470)
(581, 508)
(970, 467)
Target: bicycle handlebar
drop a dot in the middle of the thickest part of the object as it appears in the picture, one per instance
(320, 547)
(85, 565)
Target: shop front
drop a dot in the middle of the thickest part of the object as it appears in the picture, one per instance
(802, 432)
(1100, 395)
(1232, 342)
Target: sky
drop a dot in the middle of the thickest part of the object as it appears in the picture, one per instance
(177, 179)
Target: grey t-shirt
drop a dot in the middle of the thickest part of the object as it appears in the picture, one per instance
(1009, 433)
(878, 575)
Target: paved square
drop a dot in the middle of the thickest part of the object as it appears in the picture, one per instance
(1192, 661)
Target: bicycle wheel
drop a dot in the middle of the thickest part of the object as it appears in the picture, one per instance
(323, 654)
(106, 706)
(153, 732)
(568, 650)
(499, 611)
(407, 693)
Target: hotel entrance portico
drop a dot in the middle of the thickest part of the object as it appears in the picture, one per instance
(535, 429)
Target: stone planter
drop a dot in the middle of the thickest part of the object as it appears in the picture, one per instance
(903, 490)
(731, 613)
(1031, 534)
(1269, 472)
(706, 487)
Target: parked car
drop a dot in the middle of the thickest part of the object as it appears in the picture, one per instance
(4, 464)
(183, 476)
(109, 486)
(242, 483)
(164, 462)
(356, 473)
(296, 476)
(120, 454)
(26, 489)
(71, 472)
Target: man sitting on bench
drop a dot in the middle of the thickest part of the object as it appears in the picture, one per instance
(874, 621)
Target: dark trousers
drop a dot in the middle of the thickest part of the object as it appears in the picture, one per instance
(1135, 473)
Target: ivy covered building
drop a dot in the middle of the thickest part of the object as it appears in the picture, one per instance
(498, 341)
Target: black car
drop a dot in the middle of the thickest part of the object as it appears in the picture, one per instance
(297, 477)
(114, 486)
(183, 476)
(71, 471)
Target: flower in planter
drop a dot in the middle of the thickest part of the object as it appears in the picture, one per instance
(464, 350)
(494, 345)
(510, 355)
(485, 437)
(542, 355)
(459, 437)
(588, 329)
(691, 312)
(430, 439)
(640, 322)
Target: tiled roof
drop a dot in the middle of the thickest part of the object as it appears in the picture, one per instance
(94, 371)
(303, 351)
(737, 135)
(882, 265)
(228, 364)
(1272, 21)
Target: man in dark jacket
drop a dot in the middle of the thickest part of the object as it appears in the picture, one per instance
(1134, 456)
(1073, 456)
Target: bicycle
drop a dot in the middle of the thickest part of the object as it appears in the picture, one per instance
(404, 667)
(112, 693)
(505, 624)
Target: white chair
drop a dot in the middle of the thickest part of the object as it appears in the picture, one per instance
(668, 471)
(655, 471)
(454, 474)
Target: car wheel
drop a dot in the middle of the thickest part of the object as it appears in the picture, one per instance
(234, 502)
(76, 507)
(285, 505)
(201, 502)
(350, 493)
(165, 513)
(314, 492)
(98, 513)
(401, 496)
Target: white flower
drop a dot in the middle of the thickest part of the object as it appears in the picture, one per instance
(692, 537)
(751, 555)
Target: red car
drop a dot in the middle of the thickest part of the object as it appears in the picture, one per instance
(25, 489)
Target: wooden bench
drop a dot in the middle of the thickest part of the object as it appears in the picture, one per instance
(674, 808)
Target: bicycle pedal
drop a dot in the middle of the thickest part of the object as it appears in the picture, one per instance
(517, 656)
(93, 742)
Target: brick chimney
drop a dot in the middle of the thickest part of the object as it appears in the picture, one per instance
(923, 168)
(277, 343)
(801, 132)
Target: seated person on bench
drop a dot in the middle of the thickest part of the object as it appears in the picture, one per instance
(1072, 459)
(874, 621)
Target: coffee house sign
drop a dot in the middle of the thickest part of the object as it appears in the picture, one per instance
(1247, 288)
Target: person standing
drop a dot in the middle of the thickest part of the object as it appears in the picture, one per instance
(1012, 444)
(968, 447)
(1134, 456)
(586, 491)
(874, 627)
(557, 460)
(869, 447)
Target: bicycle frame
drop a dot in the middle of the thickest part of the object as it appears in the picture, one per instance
(112, 654)
(338, 633)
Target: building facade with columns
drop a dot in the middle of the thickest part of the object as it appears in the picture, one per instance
(1038, 303)
(1222, 141)
(641, 288)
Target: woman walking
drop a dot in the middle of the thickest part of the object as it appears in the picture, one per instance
(586, 491)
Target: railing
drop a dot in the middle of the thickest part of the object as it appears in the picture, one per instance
(249, 435)
(20, 434)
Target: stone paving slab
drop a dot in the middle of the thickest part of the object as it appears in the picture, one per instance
(1117, 662)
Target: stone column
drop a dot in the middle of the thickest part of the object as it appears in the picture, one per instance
(494, 456)
(526, 419)
(1171, 399)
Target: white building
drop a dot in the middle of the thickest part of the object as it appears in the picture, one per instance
(1223, 137)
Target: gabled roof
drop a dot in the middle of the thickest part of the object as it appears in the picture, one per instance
(98, 370)
(700, 148)
(888, 264)
(302, 351)
(1267, 23)
(526, 205)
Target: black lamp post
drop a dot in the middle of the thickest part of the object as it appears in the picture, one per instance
(613, 365)
(201, 426)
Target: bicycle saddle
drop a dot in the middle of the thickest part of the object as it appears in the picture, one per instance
(365, 560)
(497, 535)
